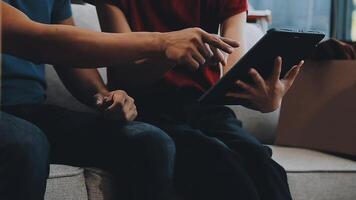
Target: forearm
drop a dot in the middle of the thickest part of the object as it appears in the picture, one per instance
(82, 48)
(233, 58)
(233, 28)
(83, 84)
(76, 47)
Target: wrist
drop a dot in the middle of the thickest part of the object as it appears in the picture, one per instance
(160, 44)
(98, 98)
(103, 92)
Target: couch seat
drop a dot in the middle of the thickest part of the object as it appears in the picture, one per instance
(317, 176)
(66, 183)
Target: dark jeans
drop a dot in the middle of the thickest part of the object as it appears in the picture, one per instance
(23, 159)
(216, 158)
(139, 154)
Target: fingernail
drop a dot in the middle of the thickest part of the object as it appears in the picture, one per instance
(211, 54)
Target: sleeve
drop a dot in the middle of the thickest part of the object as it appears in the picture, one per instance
(93, 2)
(122, 4)
(230, 8)
(62, 10)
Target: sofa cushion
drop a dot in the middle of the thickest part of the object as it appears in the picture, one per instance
(315, 175)
(66, 183)
(262, 125)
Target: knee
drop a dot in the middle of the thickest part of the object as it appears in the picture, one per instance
(199, 148)
(151, 140)
(23, 141)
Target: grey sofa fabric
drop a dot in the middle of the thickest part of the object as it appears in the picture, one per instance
(317, 176)
(262, 125)
(66, 183)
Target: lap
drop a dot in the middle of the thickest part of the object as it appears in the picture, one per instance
(14, 130)
(86, 138)
(10, 124)
(215, 123)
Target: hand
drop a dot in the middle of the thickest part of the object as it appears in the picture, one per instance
(266, 95)
(117, 104)
(191, 47)
(217, 54)
(214, 61)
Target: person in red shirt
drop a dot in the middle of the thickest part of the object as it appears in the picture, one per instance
(216, 158)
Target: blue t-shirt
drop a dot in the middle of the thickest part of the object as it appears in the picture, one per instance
(23, 82)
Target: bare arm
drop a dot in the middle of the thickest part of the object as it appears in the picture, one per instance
(233, 28)
(61, 44)
(88, 87)
(84, 84)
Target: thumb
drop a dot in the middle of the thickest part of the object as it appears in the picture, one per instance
(99, 99)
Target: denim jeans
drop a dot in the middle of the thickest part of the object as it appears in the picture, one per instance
(216, 158)
(24, 158)
(140, 155)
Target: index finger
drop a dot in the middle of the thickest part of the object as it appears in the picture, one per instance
(290, 74)
(218, 56)
(215, 41)
(230, 42)
(277, 69)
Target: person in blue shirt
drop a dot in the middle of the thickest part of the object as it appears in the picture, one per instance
(43, 33)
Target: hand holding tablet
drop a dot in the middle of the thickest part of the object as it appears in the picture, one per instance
(265, 95)
(259, 69)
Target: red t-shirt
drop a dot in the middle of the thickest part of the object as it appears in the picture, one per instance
(172, 15)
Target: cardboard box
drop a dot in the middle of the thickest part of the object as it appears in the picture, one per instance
(319, 112)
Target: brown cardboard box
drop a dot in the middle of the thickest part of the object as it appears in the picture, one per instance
(319, 112)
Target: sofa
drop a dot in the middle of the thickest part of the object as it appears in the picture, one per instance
(312, 175)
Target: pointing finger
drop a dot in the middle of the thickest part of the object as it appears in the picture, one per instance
(277, 69)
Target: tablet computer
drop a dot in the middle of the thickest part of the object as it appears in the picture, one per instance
(292, 45)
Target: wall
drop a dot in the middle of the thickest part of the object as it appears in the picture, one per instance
(300, 14)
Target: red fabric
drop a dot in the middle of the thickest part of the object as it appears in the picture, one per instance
(171, 15)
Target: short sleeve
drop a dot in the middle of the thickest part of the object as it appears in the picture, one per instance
(123, 5)
(232, 7)
(62, 10)
(94, 2)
